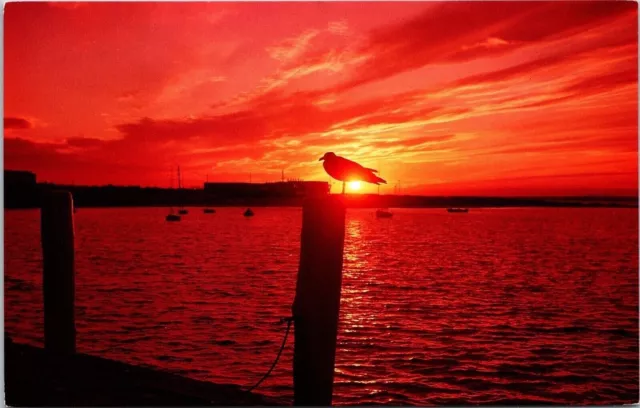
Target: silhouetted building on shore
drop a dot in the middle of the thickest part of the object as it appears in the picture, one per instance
(278, 189)
(19, 178)
(20, 189)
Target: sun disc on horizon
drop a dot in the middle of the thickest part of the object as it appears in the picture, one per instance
(354, 185)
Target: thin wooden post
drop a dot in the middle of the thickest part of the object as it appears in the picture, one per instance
(56, 223)
(317, 301)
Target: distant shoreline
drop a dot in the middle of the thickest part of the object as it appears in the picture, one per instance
(21, 191)
(351, 201)
(353, 207)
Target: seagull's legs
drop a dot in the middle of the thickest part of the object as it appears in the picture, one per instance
(343, 183)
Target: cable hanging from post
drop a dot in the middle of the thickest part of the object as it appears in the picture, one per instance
(289, 320)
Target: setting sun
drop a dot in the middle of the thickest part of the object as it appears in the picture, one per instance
(354, 185)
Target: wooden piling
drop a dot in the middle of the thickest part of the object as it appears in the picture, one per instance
(317, 301)
(56, 222)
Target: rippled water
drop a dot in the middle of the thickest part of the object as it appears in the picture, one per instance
(494, 306)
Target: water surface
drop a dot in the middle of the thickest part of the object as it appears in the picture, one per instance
(493, 306)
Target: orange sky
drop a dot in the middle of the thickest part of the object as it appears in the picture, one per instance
(448, 98)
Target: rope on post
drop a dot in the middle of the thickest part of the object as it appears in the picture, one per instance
(289, 320)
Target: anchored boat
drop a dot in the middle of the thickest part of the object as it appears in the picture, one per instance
(172, 217)
(182, 210)
(383, 213)
(458, 210)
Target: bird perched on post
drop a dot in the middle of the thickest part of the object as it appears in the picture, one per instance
(346, 170)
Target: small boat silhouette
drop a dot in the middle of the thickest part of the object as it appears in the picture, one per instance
(457, 210)
(248, 213)
(173, 217)
(182, 210)
(383, 213)
(209, 211)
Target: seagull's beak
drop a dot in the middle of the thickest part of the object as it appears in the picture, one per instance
(321, 159)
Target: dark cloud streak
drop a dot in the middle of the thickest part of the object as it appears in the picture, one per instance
(441, 34)
(16, 123)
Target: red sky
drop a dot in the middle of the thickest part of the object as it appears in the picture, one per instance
(447, 98)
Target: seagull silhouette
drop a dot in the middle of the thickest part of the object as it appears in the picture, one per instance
(346, 170)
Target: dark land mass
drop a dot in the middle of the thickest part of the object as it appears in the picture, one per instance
(113, 196)
(22, 191)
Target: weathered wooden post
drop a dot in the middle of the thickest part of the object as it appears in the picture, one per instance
(317, 301)
(56, 223)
